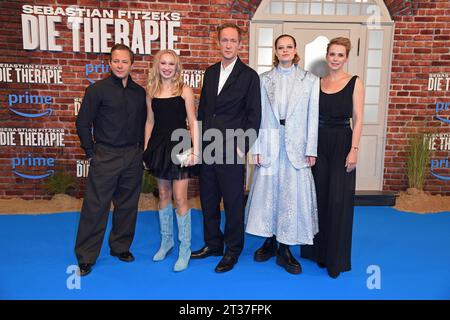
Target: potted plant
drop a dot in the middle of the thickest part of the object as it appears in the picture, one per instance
(60, 183)
(418, 161)
(149, 184)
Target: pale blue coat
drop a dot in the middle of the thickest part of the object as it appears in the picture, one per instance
(302, 119)
(282, 199)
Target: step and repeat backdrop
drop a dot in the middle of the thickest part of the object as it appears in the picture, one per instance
(52, 50)
(439, 142)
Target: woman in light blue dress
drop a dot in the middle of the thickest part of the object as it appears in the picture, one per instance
(282, 201)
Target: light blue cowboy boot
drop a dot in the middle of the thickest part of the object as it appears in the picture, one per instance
(184, 235)
(166, 225)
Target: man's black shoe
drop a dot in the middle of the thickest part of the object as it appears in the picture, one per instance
(226, 264)
(84, 269)
(206, 252)
(287, 260)
(333, 274)
(267, 250)
(124, 256)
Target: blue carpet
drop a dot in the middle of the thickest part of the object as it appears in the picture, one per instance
(411, 252)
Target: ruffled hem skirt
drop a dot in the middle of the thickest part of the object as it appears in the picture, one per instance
(158, 160)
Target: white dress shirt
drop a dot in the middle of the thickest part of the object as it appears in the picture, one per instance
(224, 74)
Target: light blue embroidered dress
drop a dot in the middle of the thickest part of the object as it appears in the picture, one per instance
(282, 199)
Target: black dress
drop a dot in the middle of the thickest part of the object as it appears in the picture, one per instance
(169, 115)
(335, 187)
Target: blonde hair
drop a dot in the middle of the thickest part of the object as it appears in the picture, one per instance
(154, 77)
(341, 41)
(275, 58)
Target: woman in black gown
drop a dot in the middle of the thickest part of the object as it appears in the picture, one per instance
(341, 98)
(169, 103)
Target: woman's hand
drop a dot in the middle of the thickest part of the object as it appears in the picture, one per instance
(311, 161)
(192, 160)
(143, 162)
(350, 162)
(257, 159)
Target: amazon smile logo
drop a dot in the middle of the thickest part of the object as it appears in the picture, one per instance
(31, 167)
(19, 99)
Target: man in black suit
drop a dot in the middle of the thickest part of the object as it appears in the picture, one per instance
(230, 100)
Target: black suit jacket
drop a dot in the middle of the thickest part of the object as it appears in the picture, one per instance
(238, 106)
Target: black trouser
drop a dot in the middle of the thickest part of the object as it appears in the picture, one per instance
(227, 181)
(114, 174)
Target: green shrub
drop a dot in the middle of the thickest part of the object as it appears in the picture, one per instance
(418, 160)
(59, 182)
(149, 184)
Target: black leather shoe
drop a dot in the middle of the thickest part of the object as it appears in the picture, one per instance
(226, 264)
(84, 269)
(267, 251)
(124, 256)
(321, 265)
(287, 260)
(333, 274)
(206, 252)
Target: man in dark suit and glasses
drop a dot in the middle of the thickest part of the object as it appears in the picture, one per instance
(115, 108)
(230, 100)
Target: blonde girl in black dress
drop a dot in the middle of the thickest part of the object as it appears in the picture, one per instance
(169, 103)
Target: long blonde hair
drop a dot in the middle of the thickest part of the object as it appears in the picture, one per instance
(154, 78)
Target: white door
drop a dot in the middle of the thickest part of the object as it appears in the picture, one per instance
(312, 39)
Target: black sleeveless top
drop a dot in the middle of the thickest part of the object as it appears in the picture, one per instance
(337, 108)
(169, 114)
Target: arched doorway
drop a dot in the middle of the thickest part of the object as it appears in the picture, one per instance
(313, 23)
